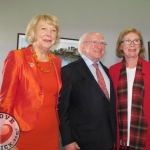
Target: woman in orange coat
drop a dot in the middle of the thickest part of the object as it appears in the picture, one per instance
(31, 84)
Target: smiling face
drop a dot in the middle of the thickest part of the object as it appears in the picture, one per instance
(45, 35)
(92, 48)
(130, 50)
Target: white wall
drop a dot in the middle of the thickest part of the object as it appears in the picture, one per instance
(76, 17)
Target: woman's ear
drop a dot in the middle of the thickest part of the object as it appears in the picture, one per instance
(121, 48)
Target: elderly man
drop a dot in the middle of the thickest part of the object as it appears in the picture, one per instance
(87, 99)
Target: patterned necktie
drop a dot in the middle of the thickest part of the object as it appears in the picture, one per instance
(101, 81)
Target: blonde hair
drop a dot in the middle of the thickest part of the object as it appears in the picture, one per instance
(49, 19)
(119, 53)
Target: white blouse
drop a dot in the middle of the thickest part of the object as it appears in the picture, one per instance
(130, 80)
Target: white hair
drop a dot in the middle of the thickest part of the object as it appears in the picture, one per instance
(81, 40)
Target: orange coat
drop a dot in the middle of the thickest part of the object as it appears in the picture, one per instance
(21, 92)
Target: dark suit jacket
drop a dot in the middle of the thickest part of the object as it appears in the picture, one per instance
(86, 116)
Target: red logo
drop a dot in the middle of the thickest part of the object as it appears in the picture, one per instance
(9, 131)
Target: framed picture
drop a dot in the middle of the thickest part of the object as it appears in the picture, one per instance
(149, 51)
(66, 48)
(22, 42)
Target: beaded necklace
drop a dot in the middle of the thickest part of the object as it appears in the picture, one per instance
(37, 62)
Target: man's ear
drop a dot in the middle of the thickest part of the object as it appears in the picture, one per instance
(82, 47)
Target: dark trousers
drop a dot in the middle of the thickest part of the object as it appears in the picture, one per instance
(122, 149)
(110, 149)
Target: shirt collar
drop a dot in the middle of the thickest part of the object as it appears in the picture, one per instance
(88, 61)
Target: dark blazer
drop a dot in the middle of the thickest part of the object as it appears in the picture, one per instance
(86, 115)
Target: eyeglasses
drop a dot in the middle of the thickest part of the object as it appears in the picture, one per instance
(128, 42)
(97, 42)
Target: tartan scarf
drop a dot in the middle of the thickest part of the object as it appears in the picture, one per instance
(138, 125)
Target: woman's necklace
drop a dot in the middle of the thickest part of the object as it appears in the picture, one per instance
(37, 62)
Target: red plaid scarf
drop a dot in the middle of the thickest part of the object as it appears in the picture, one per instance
(139, 126)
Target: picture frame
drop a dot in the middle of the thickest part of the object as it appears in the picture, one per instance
(149, 50)
(66, 49)
(22, 42)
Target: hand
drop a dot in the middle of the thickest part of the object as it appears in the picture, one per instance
(14, 148)
(114, 148)
(72, 146)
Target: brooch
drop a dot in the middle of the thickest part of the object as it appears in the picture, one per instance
(31, 64)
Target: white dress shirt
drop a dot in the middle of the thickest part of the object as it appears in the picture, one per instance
(89, 63)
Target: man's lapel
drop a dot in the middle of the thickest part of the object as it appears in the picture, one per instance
(83, 69)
